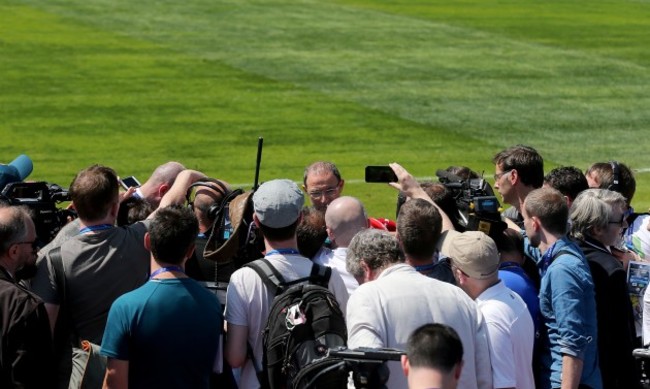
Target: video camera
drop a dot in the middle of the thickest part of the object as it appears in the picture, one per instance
(42, 199)
(479, 209)
(367, 364)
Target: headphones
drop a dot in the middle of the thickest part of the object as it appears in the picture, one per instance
(218, 187)
(615, 185)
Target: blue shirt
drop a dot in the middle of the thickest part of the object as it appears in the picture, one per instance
(169, 332)
(568, 307)
(515, 278)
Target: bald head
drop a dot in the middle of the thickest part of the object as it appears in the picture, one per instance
(345, 217)
(160, 181)
(166, 173)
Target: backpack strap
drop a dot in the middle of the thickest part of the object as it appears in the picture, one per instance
(320, 275)
(269, 274)
(59, 275)
(562, 252)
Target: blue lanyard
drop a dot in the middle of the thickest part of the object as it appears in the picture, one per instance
(423, 268)
(547, 258)
(507, 264)
(99, 227)
(166, 269)
(283, 252)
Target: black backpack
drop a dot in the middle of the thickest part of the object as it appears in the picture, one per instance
(304, 322)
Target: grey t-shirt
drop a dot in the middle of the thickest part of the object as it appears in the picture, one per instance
(99, 268)
(68, 231)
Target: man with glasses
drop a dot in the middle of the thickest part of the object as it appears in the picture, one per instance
(323, 183)
(518, 171)
(26, 345)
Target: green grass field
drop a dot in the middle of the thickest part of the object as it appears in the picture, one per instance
(426, 83)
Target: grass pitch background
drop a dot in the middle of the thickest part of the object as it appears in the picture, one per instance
(426, 83)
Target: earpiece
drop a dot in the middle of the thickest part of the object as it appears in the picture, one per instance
(213, 184)
(615, 185)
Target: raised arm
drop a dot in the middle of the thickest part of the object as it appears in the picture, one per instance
(176, 194)
(412, 189)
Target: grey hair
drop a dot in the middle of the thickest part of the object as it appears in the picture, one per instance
(376, 248)
(13, 227)
(593, 209)
(321, 167)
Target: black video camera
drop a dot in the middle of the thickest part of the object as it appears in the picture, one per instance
(478, 206)
(367, 364)
(42, 199)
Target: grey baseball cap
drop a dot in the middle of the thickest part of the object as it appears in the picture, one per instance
(278, 203)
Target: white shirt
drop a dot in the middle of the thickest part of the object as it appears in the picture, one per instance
(248, 303)
(511, 332)
(336, 260)
(384, 312)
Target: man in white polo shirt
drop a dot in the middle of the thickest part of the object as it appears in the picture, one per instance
(475, 264)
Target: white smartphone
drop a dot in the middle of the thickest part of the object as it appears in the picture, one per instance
(129, 181)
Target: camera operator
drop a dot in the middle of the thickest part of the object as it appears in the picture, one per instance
(157, 185)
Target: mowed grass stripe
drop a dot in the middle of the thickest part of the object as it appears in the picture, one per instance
(75, 95)
(478, 84)
(198, 101)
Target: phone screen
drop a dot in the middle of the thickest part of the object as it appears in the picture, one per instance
(380, 174)
(129, 181)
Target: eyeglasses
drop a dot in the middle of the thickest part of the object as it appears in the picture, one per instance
(33, 243)
(620, 222)
(329, 192)
(497, 176)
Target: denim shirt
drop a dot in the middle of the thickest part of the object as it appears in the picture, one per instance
(568, 308)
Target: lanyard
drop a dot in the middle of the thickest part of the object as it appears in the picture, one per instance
(99, 227)
(547, 258)
(166, 269)
(283, 252)
(509, 265)
(423, 268)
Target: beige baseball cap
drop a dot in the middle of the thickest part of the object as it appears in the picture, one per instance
(474, 253)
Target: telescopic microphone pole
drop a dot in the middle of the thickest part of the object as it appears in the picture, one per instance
(260, 141)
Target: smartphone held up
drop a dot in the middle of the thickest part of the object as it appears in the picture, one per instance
(380, 174)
